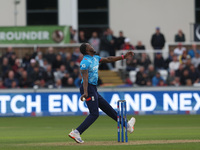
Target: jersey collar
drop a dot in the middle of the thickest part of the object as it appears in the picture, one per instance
(88, 56)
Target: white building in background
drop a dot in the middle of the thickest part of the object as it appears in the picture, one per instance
(137, 18)
(9, 12)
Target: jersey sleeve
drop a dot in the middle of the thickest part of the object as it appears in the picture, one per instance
(98, 57)
(84, 65)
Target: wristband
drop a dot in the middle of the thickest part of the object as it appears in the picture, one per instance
(122, 57)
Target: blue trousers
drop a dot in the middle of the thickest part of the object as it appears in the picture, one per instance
(95, 101)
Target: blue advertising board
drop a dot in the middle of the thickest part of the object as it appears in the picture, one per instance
(68, 103)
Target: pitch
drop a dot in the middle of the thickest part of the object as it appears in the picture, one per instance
(151, 132)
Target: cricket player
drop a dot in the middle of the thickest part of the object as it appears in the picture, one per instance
(88, 89)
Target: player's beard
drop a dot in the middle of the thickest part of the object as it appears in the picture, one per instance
(93, 51)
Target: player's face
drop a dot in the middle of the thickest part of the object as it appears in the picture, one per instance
(90, 49)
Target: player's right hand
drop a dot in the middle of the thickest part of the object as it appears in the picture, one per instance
(84, 96)
(128, 54)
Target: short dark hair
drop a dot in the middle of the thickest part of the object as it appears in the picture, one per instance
(83, 48)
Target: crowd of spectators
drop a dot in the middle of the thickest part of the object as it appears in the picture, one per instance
(49, 70)
(58, 69)
(182, 66)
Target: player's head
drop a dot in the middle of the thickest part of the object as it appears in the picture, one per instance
(87, 49)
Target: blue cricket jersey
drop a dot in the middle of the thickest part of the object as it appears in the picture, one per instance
(92, 65)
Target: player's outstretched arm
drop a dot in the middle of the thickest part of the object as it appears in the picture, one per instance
(85, 84)
(116, 58)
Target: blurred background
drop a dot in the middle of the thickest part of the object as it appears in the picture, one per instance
(39, 50)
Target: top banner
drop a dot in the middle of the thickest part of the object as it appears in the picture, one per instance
(34, 35)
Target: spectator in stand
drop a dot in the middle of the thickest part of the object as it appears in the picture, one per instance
(171, 78)
(158, 39)
(9, 52)
(5, 67)
(50, 56)
(70, 82)
(58, 62)
(62, 53)
(45, 64)
(113, 42)
(78, 61)
(76, 54)
(95, 42)
(162, 83)
(16, 66)
(189, 82)
(180, 36)
(140, 46)
(177, 81)
(71, 31)
(35, 53)
(71, 66)
(75, 39)
(31, 66)
(169, 59)
(128, 81)
(14, 85)
(141, 77)
(58, 84)
(180, 70)
(105, 47)
(81, 37)
(49, 77)
(1, 84)
(68, 59)
(151, 72)
(26, 61)
(194, 74)
(75, 73)
(120, 40)
(144, 61)
(11, 78)
(18, 73)
(156, 79)
(149, 83)
(183, 57)
(131, 63)
(174, 64)
(25, 81)
(37, 76)
(159, 62)
(39, 59)
(73, 36)
(196, 60)
(179, 49)
(185, 77)
(127, 45)
(59, 74)
(12, 59)
(64, 79)
(194, 50)
(188, 63)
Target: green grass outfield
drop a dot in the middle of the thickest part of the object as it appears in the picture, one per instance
(152, 132)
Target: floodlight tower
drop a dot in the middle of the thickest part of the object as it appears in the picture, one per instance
(16, 2)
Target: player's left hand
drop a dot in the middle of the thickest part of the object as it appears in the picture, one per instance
(128, 54)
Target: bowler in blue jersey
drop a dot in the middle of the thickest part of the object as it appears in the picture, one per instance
(88, 89)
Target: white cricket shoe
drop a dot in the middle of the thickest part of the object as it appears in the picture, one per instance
(131, 124)
(74, 134)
